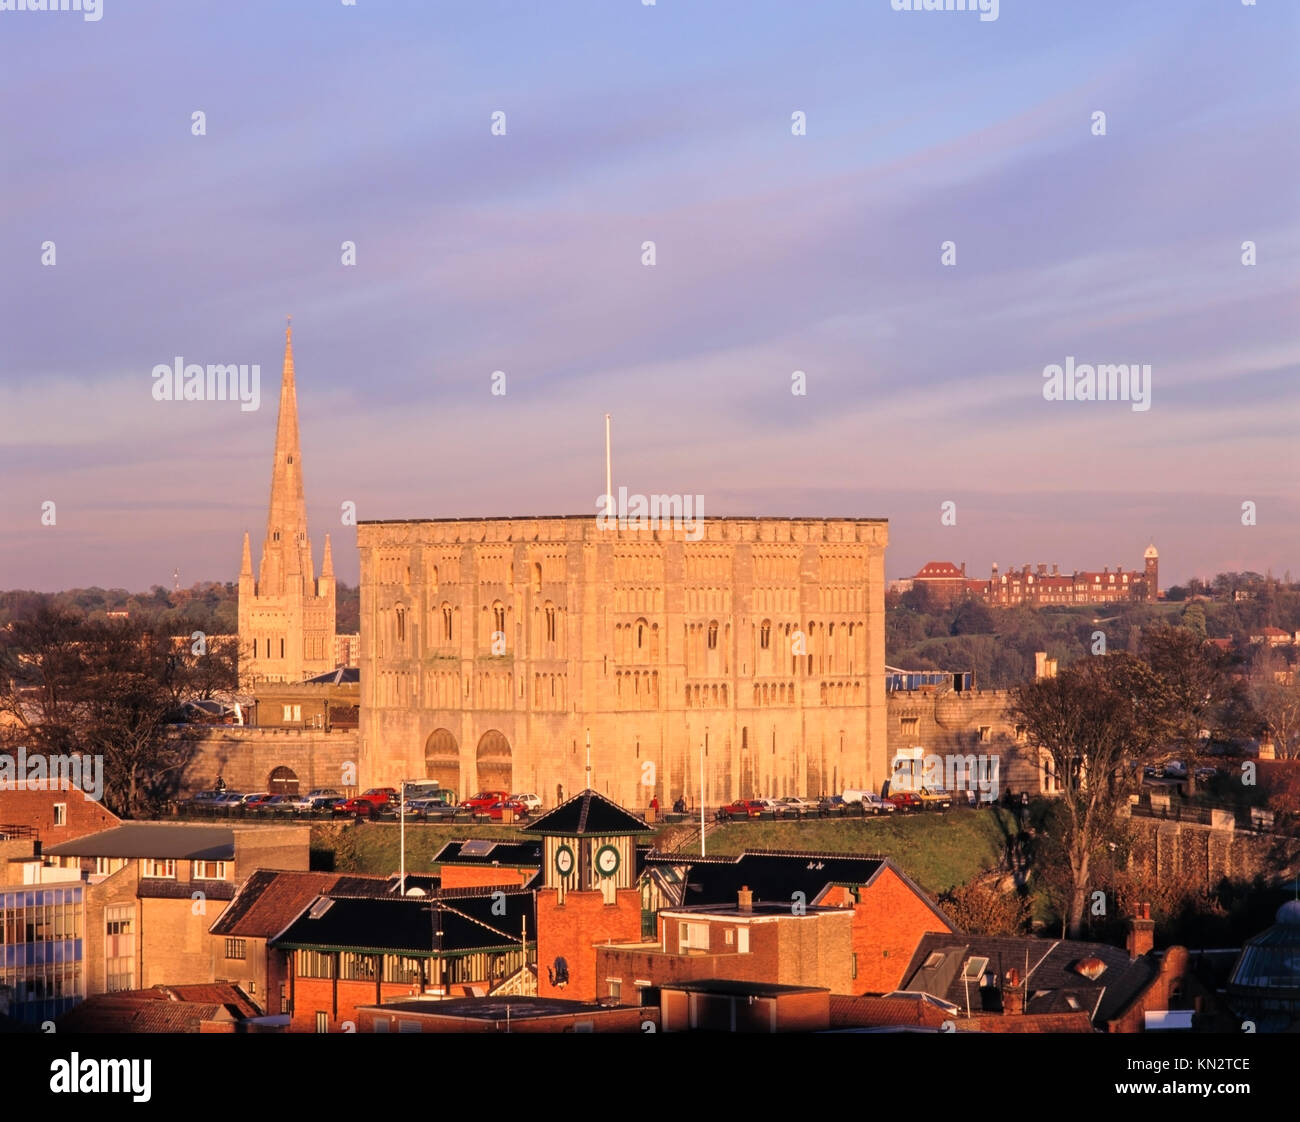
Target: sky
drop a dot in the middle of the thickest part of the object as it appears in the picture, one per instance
(774, 252)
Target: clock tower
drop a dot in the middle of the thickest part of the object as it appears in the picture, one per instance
(589, 894)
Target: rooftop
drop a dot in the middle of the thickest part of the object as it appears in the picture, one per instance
(588, 812)
(161, 840)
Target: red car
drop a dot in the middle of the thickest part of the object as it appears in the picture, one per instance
(744, 808)
(906, 800)
(484, 799)
(366, 803)
(497, 809)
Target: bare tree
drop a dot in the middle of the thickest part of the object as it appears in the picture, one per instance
(109, 688)
(1275, 696)
(1098, 721)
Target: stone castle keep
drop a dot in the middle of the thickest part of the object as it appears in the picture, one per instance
(491, 647)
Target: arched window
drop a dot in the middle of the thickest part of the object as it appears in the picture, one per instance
(713, 634)
(640, 635)
(401, 625)
(550, 623)
(765, 634)
(499, 616)
(537, 576)
(446, 622)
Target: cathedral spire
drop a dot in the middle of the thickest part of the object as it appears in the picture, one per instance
(246, 563)
(327, 562)
(286, 554)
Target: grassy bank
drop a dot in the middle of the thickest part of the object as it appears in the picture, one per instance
(936, 850)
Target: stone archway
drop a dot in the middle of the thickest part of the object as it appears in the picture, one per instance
(282, 781)
(442, 761)
(495, 769)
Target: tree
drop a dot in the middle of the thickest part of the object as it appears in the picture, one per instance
(980, 909)
(973, 618)
(1097, 721)
(108, 688)
(1275, 696)
(1202, 694)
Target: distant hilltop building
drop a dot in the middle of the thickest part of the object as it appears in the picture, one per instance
(286, 615)
(945, 584)
(489, 648)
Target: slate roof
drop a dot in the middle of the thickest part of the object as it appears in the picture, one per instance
(268, 900)
(772, 875)
(588, 813)
(161, 840)
(1053, 986)
(401, 925)
(517, 855)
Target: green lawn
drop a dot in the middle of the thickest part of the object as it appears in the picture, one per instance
(936, 850)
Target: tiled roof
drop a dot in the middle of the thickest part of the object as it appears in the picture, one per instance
(268, 900)
(871, 1012)
(161, 840)
(168, 1009)
(1047, 965)
(588, 813)
(939, 570)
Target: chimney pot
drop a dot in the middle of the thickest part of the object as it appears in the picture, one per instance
(746, 899)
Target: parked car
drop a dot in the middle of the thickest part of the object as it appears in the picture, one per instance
(203, 798)
(300, 803)
(935, 798)
(255, 798)
(276, 802)
(744, 808)
(833, 804)
(498, 809)
(795, 806)
(1176, 769)
(327, 802)
(905, 801)
(229, 800)
(874, 804)
(1205, 774)
(483, 800)
(532, 802)
(427, 806)
(364, 805)
(323, 792)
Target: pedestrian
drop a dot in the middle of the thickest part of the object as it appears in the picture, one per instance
(654, 808)
(221, 784)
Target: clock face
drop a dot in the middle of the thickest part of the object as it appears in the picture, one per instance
(564, 860)
(607, 860)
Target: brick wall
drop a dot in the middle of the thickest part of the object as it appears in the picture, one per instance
(487, 876)
(571, 930)
(888, 922)
(36, 808)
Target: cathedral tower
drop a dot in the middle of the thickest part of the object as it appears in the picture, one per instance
(1151, 558)
(286, 615)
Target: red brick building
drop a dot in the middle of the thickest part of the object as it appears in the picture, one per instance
(890, 912)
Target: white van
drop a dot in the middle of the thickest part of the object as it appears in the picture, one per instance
(854, 794)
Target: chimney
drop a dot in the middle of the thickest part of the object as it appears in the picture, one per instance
(746, 899)
(1013, 995)
(1042, 570)
(1053, 570)
(1142, 932)
(963, 568)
